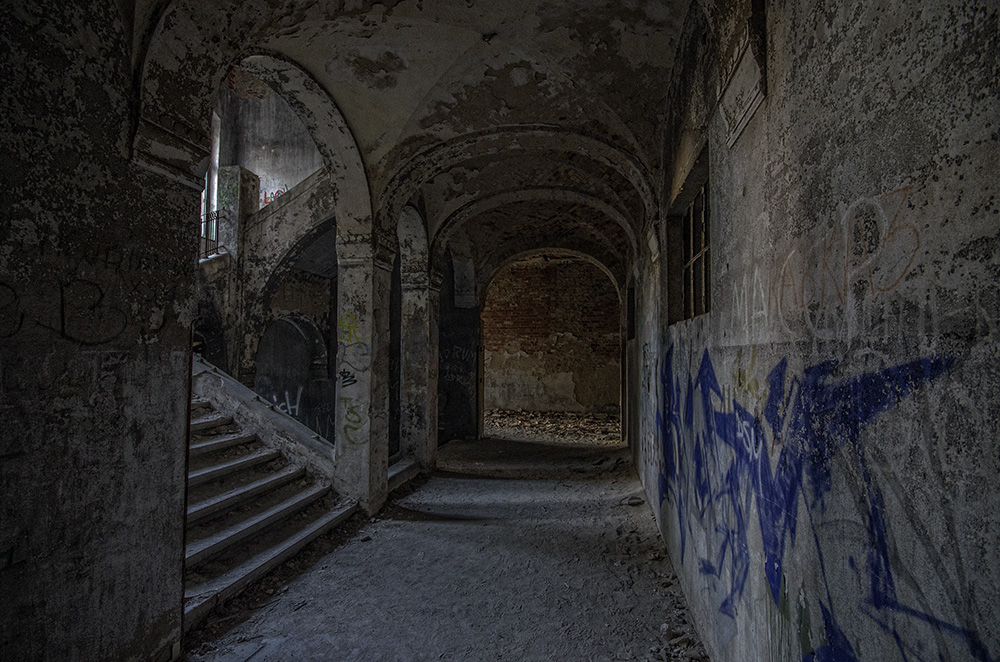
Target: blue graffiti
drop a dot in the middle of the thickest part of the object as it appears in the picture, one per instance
(811, 418)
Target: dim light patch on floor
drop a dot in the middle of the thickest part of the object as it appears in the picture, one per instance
(510, 550)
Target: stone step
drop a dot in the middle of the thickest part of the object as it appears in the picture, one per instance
(402, 471)
(201, 550)
(205, 423)
(208, 474)
(201, 599)
(220, 443)
(220, 503)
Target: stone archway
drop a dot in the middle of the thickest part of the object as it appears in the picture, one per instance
(292, 373)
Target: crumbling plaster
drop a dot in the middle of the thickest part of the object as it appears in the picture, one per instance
(391, 68)
(822, 443)
(875, 150)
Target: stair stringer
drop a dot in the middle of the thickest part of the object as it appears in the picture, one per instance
(275, 429)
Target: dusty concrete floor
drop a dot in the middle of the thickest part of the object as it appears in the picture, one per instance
(512, 550)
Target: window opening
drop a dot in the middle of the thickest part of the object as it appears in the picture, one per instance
(696, 242)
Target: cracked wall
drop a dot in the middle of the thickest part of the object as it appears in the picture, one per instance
(96, 287)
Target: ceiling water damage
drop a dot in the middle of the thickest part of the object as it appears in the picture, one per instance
(492, 118)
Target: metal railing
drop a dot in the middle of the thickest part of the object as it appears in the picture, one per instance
(209, 244)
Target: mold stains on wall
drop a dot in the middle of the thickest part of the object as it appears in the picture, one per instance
(261, 133)
(378, 73)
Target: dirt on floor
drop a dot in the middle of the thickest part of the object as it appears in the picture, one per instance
(515, 548)
(553, 427)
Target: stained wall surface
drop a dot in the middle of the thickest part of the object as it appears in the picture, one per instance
(551, 337)
(458, 366)
(293, 366)
(823, 443)
(96, 285)
(820, 448)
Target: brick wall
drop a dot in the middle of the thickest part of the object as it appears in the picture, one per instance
(551, 337)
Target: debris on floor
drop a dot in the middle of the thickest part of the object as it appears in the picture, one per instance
(566, 427)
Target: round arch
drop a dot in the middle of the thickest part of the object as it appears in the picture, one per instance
(334, 139)
(292, 372)
(440, 157)
(539, 195)
(555, 252)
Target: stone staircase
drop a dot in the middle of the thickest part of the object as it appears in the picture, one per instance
(249, 510)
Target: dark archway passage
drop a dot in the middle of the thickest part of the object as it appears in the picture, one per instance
(395, 358)
(458, 345)
(292, 373)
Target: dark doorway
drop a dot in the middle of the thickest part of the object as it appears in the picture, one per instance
(292, 373)
(395, 357)
(458, 365)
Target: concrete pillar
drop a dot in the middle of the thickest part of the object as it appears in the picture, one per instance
(362, 444)
(238, 191)
(238, 199)
(433, 338)
(415, 431)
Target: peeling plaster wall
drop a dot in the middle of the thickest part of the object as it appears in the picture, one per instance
(98, 260)
(261, 133)
(551, 338)
(823, 444)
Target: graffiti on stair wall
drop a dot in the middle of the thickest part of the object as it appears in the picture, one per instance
(723, 461)
(355, 363)
(267, 197)
(288, 404)
(286, 376)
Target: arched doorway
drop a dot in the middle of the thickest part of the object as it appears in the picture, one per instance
(292, 373)
(551, 347)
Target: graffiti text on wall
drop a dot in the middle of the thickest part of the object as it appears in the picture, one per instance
(98, 295)
(355, 363)
(289, 405)
(716, 466)
(267, 197)
(458, 367)
(347, 329)
(347, 378)
(869, 251)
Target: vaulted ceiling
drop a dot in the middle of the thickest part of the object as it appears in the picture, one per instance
(494, 117)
